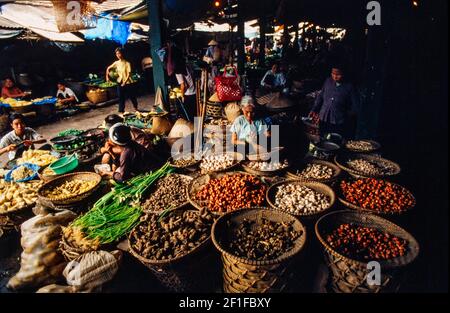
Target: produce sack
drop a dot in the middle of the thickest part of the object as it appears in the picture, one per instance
(41, 262)
(57, 289)
(232, 111)
(92, 269)
(181, 129)
(227, 87)
(161, 126)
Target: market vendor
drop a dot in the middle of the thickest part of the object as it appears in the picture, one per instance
(274, 79)
(336, 105)
(20, 138)
(10, 90)
(248, 130)
(125, 89)
(138, 135)
(66, 95)
(130, 158)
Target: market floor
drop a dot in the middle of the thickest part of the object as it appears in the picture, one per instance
(85, 121)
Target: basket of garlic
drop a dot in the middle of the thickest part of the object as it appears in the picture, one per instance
(265, 169)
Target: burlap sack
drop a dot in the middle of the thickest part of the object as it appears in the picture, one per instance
(232, 111)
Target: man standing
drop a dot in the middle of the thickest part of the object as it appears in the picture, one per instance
(336, 105)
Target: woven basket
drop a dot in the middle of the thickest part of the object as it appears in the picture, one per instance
(86, 176)
(188, 273)
(349, 276)
(45, 178)
(236, 156)
(336, 169)
(376, 147)
(319, 187)
(199, 182)
(252, 171)
(250, 276)
(341, 161)
(357, 208)
(70, 252)
(214, 109)
(193, 166)
(97, 96)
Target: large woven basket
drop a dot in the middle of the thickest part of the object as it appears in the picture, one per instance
(360, 209)
(238, 157)
(274, 173)
(376, 146)
(214, 109)
(188, 273)
(241, 275)
(341, 161)
(350, 276)
(97, 96)
(86, 176)
(198, 183)
(318, 187)
(301, 166)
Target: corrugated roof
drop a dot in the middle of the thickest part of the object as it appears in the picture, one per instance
(5, 23)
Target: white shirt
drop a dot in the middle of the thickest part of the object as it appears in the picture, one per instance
(189, 81)
(67, 93)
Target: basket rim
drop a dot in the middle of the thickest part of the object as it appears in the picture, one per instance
(72, 176)
(306, 183)
(337, 171)
(384, 263)
(196, 205)
(263, 173)
(352, 206)
(146, 261)
(197, 162)
(338, 161)
(286, 256)
(376, 146)
(239, 157)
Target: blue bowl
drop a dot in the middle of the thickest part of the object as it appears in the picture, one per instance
(33, 167)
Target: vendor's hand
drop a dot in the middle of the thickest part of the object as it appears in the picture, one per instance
(11, 148)
(123, 84)
(28, 143)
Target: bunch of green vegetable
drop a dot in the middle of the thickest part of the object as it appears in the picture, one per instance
(70, 132)
(118, 212)
(107, 85)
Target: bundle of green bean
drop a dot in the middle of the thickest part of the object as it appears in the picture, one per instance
(118, 212)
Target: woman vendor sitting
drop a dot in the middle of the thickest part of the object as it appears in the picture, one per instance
(130, 158)
(247, 130)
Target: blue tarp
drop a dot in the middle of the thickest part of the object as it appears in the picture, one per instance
(110, 29)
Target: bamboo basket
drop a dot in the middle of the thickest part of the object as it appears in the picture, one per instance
(376, 146)
(250, 276)
(238, 158)
(70, 200)
(350, 276)
(341, 161)
(214, 109)
(254, 172)
(97, 96)
(318, 187)
(336, 171)
(188, 273)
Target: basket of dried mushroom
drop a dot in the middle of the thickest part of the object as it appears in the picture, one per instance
(258, 246)
(315, 170)
(363, 165)
(175, 246)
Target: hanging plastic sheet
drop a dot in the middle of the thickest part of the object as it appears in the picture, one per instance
(110, 29)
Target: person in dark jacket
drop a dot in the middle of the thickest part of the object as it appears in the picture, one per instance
(336, 105)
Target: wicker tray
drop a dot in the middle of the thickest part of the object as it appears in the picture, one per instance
(180, 274)
(349, 275)
(337, 171)
(252, 171)
(357, 208)
(86, 176)
(242, 275)
(192, 166)
(200, 182)
(376, 146)
(341, 161)
(238, 159)
(319, 187)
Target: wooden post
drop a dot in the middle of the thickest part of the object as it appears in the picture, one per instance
(156, 42)
(241, 38)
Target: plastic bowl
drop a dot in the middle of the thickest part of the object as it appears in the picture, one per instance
(64, 165)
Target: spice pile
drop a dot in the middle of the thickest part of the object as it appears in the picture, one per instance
(366, 244)
(232, 192)
(267, 166)
(316, 172)
(14, 196)
(171, 192)
(38, 157)
(372, 167)
(377, 195)
(70, 188)
(214, 163)
(185, 161)
(171, 236)
(360, 146)
(266, 241)
(300, 200)
(22, 173)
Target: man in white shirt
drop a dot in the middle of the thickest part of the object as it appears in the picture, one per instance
(66, 95)
(187, 85)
